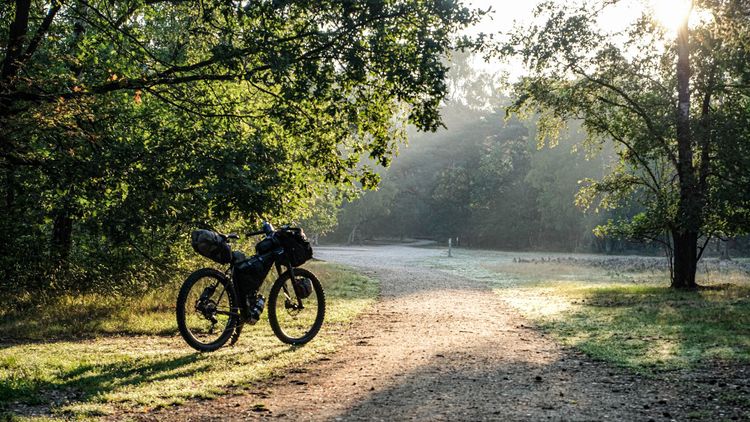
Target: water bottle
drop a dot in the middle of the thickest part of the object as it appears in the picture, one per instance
(257, 310)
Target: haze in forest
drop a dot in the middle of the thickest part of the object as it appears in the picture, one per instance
(482, 180)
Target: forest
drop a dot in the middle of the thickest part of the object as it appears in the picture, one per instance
(485, 182)
(119, 137)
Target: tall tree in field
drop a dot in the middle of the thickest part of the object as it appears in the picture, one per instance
(124, 122)
(676, 105)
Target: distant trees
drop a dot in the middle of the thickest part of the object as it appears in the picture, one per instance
(677, 111)
(484, 181)
(125, 123)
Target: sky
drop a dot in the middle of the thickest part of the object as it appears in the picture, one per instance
(503, 15)
(506, 12)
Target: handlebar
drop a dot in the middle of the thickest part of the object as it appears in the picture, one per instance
(267, 230)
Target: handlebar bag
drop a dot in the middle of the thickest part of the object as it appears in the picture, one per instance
(296, 247)
(212, 245)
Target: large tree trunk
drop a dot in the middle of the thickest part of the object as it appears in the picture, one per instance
(16, 39)
(685, 234)
(685, 259)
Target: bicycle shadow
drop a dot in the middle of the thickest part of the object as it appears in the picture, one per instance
(103, 383)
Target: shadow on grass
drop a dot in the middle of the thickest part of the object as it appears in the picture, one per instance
(88, 380)
(120, 374)
(81, 318)
(657, 327)
(86, 383)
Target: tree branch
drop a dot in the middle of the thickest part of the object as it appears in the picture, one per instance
(657, 186)
(40, 32)
(703, 248)
(193, 111)
(21, 161)
(636, 108)
(16, 36)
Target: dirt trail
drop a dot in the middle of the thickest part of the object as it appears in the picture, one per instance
(438, 347)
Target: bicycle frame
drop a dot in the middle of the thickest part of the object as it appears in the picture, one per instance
(279, 271)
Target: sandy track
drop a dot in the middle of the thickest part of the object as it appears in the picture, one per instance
(439, 347)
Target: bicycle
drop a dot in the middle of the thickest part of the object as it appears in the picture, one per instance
(213, 307)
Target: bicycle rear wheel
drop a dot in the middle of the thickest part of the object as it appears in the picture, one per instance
(207, 310)
(292, 323)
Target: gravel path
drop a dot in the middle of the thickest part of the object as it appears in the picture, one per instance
(440, 347)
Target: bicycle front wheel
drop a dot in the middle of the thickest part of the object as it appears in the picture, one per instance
(207, 310)
(296, 314)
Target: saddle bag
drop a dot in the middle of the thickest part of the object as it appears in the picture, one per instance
(212, 245)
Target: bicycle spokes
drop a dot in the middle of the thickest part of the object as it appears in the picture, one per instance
(211, 310)
(296, 316)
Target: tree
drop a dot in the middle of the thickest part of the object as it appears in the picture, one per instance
(503, 209)
(123, 123)
(322, 215)
(554, 173)
(671, 106)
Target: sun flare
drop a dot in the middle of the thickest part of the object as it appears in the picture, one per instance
(671, 13)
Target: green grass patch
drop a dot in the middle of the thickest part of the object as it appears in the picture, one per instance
(645, 327)
(147, 365)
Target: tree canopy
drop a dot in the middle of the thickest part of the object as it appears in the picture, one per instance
(674, 109)
(124, 123)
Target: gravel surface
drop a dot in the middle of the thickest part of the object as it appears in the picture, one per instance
(438, 346)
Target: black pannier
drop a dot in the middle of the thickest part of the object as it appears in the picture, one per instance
(212, 245)
(296, 247)
(249, 274)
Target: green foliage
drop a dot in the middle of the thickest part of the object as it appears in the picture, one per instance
(125, 124)
(623, 86)
(322, 215)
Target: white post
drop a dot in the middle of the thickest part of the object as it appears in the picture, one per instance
(449, 247)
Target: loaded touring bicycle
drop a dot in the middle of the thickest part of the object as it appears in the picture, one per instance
(213, 306)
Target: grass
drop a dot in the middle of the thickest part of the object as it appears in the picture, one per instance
(645, 326)
(145, 365)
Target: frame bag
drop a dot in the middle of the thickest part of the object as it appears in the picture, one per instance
(251, 272)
